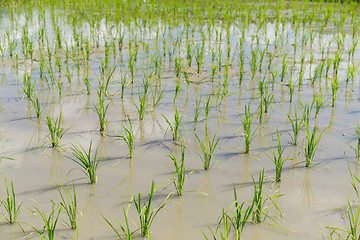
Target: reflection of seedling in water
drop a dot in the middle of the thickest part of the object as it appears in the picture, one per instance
(86, 160)
(10, 205)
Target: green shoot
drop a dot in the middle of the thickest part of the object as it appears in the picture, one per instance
(88, 163)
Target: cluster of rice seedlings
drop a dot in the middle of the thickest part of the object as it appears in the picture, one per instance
(277, 158)
(12, 208)
(259, 210)
(86, 160)
(101, 109)
(255, 212)
(246, 124)
(175, 126)
(145, 213)
(179, 173)
(56, 131)
(50, 221)
(296, 124)
(69, 204)
(312, 142)
(129, 138)
(207, 147)
(125, 229)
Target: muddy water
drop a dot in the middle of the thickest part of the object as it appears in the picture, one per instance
(312, 198)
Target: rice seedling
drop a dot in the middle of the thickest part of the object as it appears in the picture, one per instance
(50, 221)
(175, 126)
(11, 207)
(283, 68)
(296, 124)
(69, 204)
(207, 107)
(145, 214)
(142, 105)
(258, 198)
(101, 110)
(277, 158)
(28, 88)
(240, 217)
(259, 210)
(307, 112)
(246, 124)
(197, 111)
(177, 90)
(124, 228)
(312, 142)
(87, 84)
(207, 148)
(335, 85)
(56, 131)
(267, 97)
(357, 146)
(128, 138)
(320, 104)
(86, 160)
(179, 174)
(36, 105)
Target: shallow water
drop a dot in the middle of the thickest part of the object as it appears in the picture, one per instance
(312, 198)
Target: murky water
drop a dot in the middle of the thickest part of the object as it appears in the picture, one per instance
(312, 198)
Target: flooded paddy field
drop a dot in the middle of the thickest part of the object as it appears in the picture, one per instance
(179, 120)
